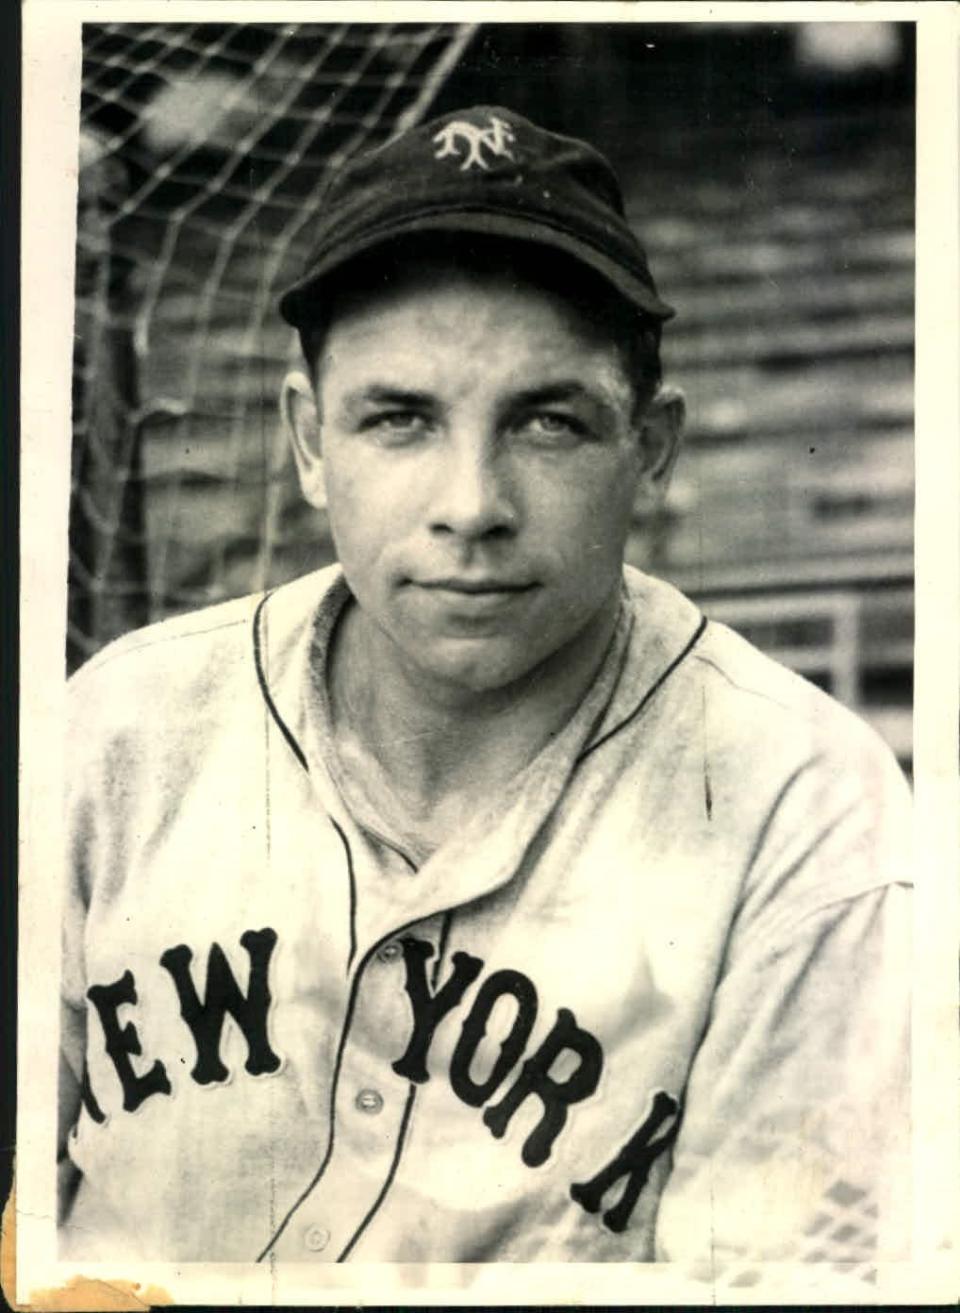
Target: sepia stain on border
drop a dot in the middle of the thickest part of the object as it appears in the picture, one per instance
(78, 1295)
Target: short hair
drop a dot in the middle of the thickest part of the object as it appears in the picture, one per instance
(594, 301)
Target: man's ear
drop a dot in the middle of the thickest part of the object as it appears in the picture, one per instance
(660, 431)
(301, 422)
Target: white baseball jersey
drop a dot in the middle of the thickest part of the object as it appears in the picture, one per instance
(651, 1006)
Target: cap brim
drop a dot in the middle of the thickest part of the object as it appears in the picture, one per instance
(296, 304)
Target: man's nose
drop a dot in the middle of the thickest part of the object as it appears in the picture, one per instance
(473, 497)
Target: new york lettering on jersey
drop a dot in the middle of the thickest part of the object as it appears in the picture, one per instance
(518, 1074)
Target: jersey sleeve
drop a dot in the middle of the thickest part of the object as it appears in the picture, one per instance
(795, 1136)
(84, 772)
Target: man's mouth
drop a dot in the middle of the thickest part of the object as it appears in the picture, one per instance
(474, 601)
(474, 587)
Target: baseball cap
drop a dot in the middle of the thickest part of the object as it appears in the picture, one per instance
(484, 171)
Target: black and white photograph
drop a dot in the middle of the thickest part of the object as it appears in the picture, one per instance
(481, 762)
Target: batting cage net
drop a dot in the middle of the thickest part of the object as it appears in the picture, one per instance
(203, 149)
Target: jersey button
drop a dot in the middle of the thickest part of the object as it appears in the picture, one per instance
(390, 952)
(316, 1238)
(369, 1101)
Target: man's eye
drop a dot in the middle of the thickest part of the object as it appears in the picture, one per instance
(395, 425)
(551, 427)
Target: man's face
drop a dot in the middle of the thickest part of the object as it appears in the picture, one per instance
(479, 454)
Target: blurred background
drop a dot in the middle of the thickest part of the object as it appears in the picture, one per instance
(769, 171)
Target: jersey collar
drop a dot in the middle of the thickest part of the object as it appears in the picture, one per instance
(666, 628)
(657, 630)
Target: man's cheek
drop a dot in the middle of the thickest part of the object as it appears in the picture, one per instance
(380, 504)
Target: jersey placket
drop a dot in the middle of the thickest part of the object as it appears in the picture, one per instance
(371, 1105)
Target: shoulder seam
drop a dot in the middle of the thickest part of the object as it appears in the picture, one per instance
(746, 688)
(129, 649)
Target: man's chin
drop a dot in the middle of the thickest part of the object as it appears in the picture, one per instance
(476, 666)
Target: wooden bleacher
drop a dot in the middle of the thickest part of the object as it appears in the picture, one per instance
(791, 514)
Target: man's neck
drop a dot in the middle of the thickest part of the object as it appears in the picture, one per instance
(438, 747)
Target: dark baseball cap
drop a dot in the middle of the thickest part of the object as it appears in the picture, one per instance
(484, 171)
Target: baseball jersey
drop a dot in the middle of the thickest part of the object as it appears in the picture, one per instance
(652, 1005)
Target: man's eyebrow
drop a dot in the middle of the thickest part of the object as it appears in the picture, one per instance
(562, 390)
(385, 394)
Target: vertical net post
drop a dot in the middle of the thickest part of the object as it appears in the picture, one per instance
(107, 543)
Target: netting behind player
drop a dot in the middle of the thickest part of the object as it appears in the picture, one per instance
(203, 149)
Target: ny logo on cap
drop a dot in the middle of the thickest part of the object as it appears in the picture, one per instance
(493, 138)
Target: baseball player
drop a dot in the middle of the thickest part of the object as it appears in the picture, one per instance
(475, 899)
